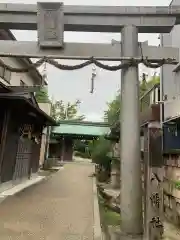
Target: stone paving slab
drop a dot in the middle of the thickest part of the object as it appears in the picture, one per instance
(60, 208)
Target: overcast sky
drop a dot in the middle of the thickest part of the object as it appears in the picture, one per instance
(73, 85)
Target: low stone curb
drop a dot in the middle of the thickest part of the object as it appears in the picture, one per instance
(77, 162)
(96, 213)
(4, 195)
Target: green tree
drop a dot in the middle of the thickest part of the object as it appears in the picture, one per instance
(113, 113)
(42, 95)
(101, 148)
(61, 111)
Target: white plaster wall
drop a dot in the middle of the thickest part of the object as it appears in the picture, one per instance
(171, 83)
(175, 3)
(172, 108)
(16, 77)
(142, 143)
(46, 107)
(176, 42)
(170, 79)
(42, 151)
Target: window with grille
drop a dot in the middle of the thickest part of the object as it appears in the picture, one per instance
(5, 74)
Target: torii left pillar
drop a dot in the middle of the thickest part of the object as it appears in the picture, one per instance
(131, 183)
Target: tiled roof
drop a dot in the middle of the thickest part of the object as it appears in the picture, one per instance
(81, 128)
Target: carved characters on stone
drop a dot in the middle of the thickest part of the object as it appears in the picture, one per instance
(156, 228)
(155, 200)
(50, 22)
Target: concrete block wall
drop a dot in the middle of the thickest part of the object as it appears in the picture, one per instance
(171, 192)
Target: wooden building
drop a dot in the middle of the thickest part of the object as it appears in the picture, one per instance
(21, 120)
(63, 136)
(21, 125)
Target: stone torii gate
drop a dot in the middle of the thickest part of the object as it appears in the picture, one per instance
(52, 19)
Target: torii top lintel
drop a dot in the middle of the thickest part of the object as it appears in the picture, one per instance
(95, 18)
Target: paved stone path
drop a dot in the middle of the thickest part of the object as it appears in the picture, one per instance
(60, 208)
(171, 232)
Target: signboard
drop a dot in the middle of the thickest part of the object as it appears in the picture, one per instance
(50, 25)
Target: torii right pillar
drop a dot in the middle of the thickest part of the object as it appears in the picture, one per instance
(131, 183)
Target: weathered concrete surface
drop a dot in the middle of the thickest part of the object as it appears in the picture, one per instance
(59, 208)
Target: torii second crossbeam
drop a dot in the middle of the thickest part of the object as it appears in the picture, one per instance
(83, 51)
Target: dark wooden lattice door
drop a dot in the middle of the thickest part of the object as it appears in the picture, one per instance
(23, 157)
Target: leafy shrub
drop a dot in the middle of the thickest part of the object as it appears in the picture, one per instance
(100, 155)
(177, 185)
